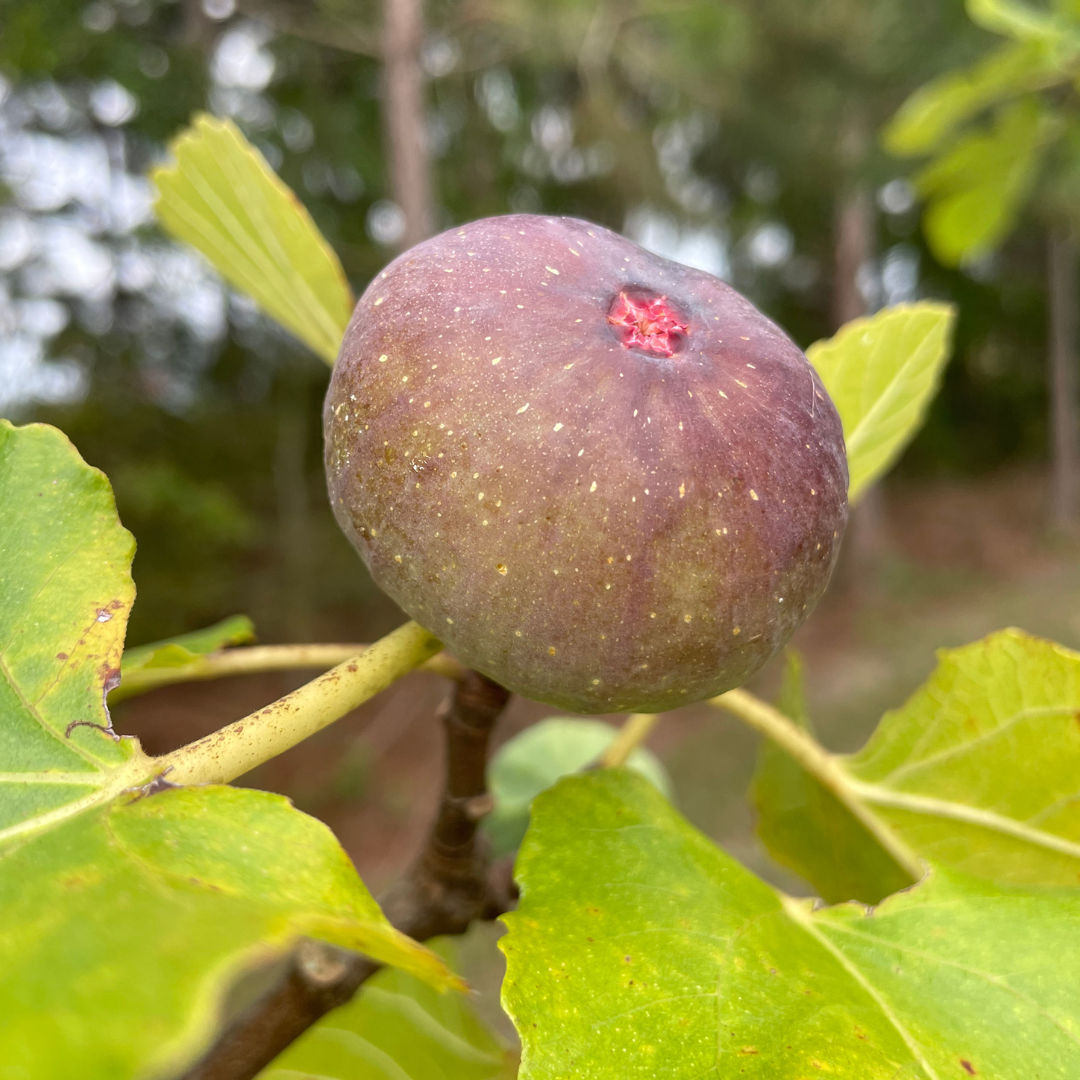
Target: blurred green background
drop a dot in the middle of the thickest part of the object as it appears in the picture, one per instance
(742, 136)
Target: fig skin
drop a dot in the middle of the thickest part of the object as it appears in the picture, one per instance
(596, 526)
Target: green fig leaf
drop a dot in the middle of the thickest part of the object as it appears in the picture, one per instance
(533, 760)
(222, 197)
(936, 110)
(182, 649)
(979, 771)
(640, 949)
(976, 188)
(140, 667)
(1016, 20)
(115, 892)
(806, 828)
(881, 373)
(398, 1028)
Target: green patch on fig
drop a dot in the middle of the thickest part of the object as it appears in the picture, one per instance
(604, 479)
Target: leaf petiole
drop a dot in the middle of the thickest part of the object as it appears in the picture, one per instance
(239, 747)
(251, 659)
(632, 734)
(823, 766)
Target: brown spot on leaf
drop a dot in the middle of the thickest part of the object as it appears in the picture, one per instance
(968, 1067)
(110, 677)
(749, 1050)
(61, 656)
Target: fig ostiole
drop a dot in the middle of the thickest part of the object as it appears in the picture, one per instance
(603, 479)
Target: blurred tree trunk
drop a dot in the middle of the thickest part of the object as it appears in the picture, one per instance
(854, 249)
(866, 539)
(1064, 420)
(403, 116)
(198, 28)
(296, 614)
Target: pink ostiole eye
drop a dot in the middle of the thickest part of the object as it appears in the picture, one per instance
(649, 324)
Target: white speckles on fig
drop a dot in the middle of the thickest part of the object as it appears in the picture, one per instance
(689, 607)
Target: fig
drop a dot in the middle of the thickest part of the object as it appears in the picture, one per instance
(603, 479)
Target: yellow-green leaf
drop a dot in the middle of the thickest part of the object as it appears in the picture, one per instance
(1017, 20)
(182, 649)
(140, 668)
(807, 828)
(398, 1028)
(535, 758)
(641, 950)
(975, 189)
(127, 911)
(979, 771)
(881, 373)
(222, 197)
(938, 108)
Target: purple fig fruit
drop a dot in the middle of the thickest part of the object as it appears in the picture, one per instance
(604, 479)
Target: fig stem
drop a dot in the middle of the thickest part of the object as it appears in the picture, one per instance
(632, 734)
(250, 659)
(239, 747)
(825, 767)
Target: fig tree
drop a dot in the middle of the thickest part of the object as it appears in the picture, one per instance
(604, 479)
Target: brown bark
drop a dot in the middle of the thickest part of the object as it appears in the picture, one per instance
(866, 540)
(196, 26)
(450, 884)
(403, 117)
(1064, 422)
(854, 248)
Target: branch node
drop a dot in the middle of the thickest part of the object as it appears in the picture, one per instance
(479, 806)
(320, 964)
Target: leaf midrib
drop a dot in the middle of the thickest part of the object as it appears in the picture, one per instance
(116, 781)
(798, 915)
(87, 779)
(876, 795)
(286, 265)
(1035, 712)
(885, 401)
(993, 980)
(308, 316)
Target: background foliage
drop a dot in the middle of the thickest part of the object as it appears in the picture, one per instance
(714, 132)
